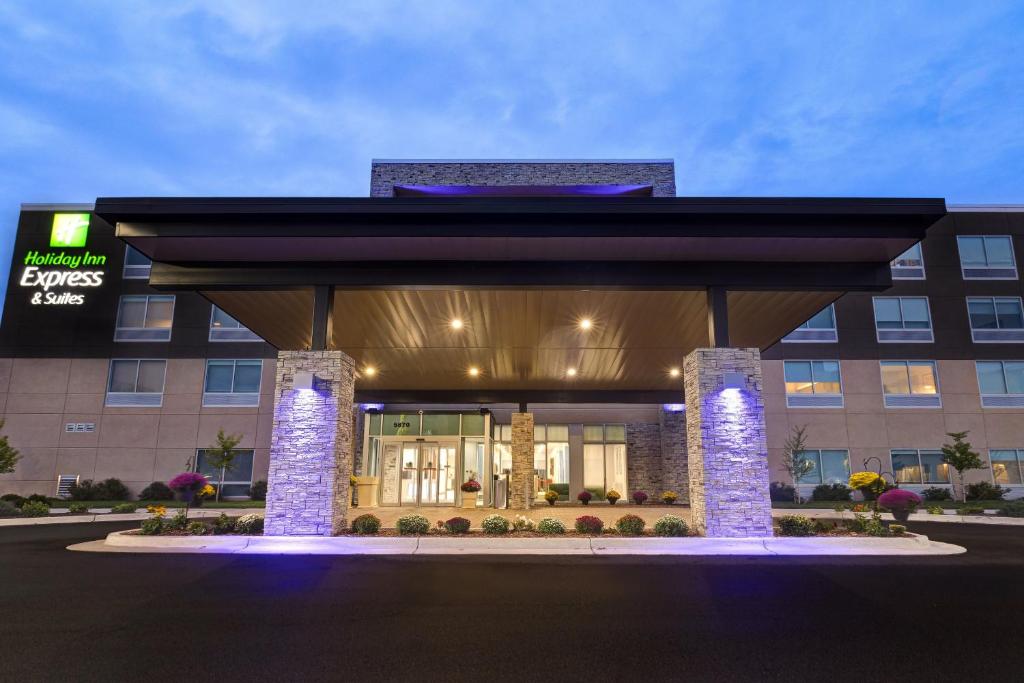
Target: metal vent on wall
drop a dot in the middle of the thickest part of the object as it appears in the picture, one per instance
(905, 336)
(814, 401)
(913, 401)
(1003, 401)
(64, 484)
(229, 400)
(134, 399)
(990, 273)
(997, 335)
(808, 335)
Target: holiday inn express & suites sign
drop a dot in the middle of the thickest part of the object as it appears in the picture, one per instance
(62, 278)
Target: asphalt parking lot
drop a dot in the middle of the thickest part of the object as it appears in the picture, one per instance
(88, 616)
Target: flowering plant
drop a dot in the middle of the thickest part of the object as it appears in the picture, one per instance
(470, 486)
(612, 496)
(867, 481)
(669, 497)
(588, 524)
(639, 497)
(206, 491)
(901, 499)
(156, 510)
(551, 496)
(187, 481)
(584, 496)
(522, 523)
(457, 525)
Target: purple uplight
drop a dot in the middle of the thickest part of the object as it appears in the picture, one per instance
(523, 190)
(674, 407)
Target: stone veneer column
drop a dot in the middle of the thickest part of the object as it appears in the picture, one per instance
(310, 445)
(727, 451)
(521, 481)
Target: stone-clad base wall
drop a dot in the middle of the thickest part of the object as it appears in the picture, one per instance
(656, 457)
(521, 479)
(727, 447)
(311, 446)
(674, 460)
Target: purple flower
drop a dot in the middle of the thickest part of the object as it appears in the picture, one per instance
(899, 499)
(187, 481)
(584, 496)
(639, 497)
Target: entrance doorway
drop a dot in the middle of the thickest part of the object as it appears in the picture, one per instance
(419, 473)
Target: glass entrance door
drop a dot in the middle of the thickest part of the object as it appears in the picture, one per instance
(419, 473)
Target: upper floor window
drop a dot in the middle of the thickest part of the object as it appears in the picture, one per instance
(987, 257)
(919, 467)
(225, 328)
(820, 328)
(910, 384)
(1007, 466)
(136, 382)
(1001, 383)
(144, 318)
(903, 319)
(813, 384)
(996, 318)
(136, 264)
(232, 382)
(909, 265)
(831, 466)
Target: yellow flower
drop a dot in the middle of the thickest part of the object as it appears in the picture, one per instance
(207, 491)
(158, 510)
(866, 480)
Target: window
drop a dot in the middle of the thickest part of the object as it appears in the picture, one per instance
(136, 264)
(830, 467)
(820, 328)
(987, 257)
(604, 459)
(910, 384)
(136, 382)
(144, 318)
(551, 460)
(903, 319)
(232, 383)
(919, 467)
(909, 265)
(813, 384)
(1001, 383)
(996, 318)
(224, 328)
(236, 479)
(1007, 466)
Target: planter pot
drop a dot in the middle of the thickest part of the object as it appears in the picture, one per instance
(469, 500)
(613, 501)
(551, 502)
(901, 515)
(585, 502)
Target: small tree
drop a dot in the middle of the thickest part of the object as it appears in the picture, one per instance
(961, 458)
(9, 456)
(794, 462)
(223, 454)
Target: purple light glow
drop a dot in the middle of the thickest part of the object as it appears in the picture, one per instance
(523, 190)
(674, 407)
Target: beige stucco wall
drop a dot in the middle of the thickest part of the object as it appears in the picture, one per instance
(38, 396)
(866, 428)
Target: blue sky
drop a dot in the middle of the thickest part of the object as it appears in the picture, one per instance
(239, 97)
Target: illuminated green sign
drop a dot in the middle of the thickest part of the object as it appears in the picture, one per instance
(69, 230)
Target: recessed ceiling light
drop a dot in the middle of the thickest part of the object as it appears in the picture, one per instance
(674, 372)
(369, 371)
(456, 323)
(586, 324)
(474, 371)
(571, 372)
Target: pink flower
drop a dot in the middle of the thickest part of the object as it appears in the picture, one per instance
(898, 499)
(187, 481)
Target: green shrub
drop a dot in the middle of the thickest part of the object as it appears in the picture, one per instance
(152, 526)
(671, 525)
(523, 523)
(38, 498)
(223, 525)
(934, 509)
(457, 525)
(177, 522)
(8, 509)
(157, 491)
(780, 492)
(875, 527)
(197, 528)
(258, 490)
(796, 525)
(249, 525)
(112, 489)
(897, 529)
(412, 525)
(34, 508)
(933, 493)
(366, 525)
(837, 492)
(630, 525)
(124, 508)
(982, 490)
(1015, 508)
(970, 510)
(550, 526)
(78, 508)
(822, 526)
(588, 524)
(14, 499)
(495, 525)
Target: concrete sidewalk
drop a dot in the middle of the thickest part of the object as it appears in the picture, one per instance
(95, 516)
(817, 513)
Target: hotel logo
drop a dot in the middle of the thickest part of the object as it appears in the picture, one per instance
(69, 230)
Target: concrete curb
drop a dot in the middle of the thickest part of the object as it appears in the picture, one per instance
(94, 516)
(121, 541)
(820, 513)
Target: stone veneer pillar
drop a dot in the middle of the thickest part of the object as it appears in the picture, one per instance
(727, 450)
(310, 445)
(521, 480)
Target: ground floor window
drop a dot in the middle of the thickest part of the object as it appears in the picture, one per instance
(831, 466)
(237, 479)
(551, 460)
(604, 459)
(1007, 466)
(919, 467)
